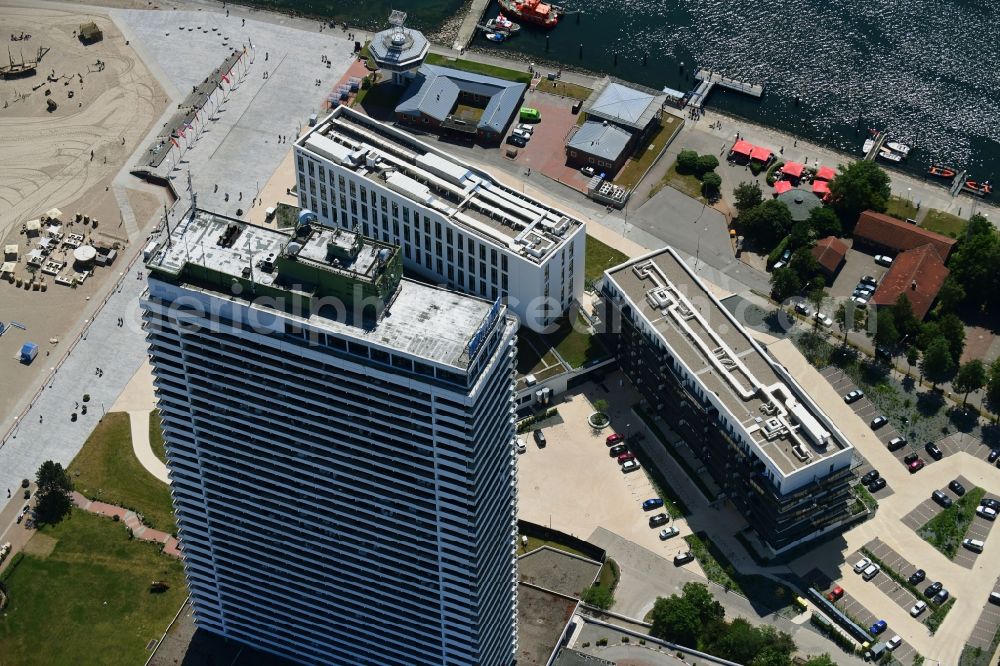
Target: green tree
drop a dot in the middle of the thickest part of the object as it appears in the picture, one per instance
(912, 356)
(928, 333)
(824, 222)
(820, 660)
(950, 295)
(971, 377)
(710, 183)
(806, 267)
(848, 319)
(973, 265)
(675, 619)
(938, 362)
(801, 234)
(740, 642)
(886, 334)
(598, 596)
(601, 405)
(687, 161)
(817, 296)
(953, 331)
(747, 195)
(784, 283)
(709, 610)
(993, 387)
(52, 501)
(902, 313)
(858, 187)
(705, 164)
(768, 223)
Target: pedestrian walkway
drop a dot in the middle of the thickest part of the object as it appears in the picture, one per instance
(131, 521)
(139, 422)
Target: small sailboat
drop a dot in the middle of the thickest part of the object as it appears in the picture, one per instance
(941, 171)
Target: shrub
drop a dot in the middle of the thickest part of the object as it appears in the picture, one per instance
(687, 161)
(601, 642)
(86, 397)
(705, 164)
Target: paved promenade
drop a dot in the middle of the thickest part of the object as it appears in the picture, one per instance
(130, 520)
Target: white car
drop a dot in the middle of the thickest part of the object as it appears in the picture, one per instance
(986, 512)
(883, 260)
(521, 445)
(860, 302)
(668, 532)
(521, 133)
(893, 643)
(587, 170)
(823, 319)
(526, 128)
(630, 466)
(861, 564)
(918, 608)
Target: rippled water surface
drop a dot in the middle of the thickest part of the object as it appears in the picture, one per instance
(928, 71)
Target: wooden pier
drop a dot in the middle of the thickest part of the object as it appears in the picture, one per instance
(876, 148)
(707, 79)
(958, 183)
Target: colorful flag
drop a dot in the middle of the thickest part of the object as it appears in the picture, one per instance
(174, 141)
(180, 131)
(225, 78)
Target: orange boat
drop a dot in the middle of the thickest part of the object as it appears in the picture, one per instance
(982, 189)
(533, 11)
(941, 171)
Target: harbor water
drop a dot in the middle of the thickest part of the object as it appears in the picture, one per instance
(925, 70)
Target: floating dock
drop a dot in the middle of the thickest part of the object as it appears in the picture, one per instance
(880, 139)
(708, 79)
(958, 183)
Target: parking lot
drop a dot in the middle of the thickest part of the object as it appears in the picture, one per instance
(957, 442)
(857, 264)
(989, 622)
(893, 560)
(921, 514)
(866, 619)
(573, 485)
(978, 529)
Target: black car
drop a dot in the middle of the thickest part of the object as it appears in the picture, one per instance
(870, 477)
(910, 457)
(956, 488)
(878, 422)
(617, 450)
(932, 589)
(990, 502)
(515, 140)
(877, 485)
(917, 577)
(933, 451)
(940, 597)
(683, 558)
(941, 498)
(540, 439)
(658, 519)
(994, 454)
(896, 443)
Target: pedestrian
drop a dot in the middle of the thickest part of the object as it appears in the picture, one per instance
(244, 21)
(40, 418)
(8, 493)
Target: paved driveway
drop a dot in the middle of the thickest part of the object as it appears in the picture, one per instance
(988, 623)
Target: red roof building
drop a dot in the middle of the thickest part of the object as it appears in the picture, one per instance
(882, 233)
(830, 253)
(918, 273)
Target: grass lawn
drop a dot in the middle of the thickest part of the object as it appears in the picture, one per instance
(534, 543)
(634, 169)
(156, 436)
(107, 469)
(286, 216)
(564, 89)
(943, 223)
(88, 601)
(533, 355)
(946, 530)
(686, 183)
(469, 113)
(478, 68)
(600, 257)
(901, 208)
(575, 344)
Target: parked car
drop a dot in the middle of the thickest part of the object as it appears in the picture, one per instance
(878, 422)
(917, 577)
(860, 302)
(823, 319)
(986, 512)
(835, 594)
(893, 643)
(975, 545)
(991, 503)
(956, 487)
(933, 589)
(617, 450)
(940, 597)
(625, 457)
(650, 504)
(869, 280)
(515, 140)
(871, 571)
(994, 454)
(683, 558)
(877, 485)
(918, 608)
(854, 396)
(916, 466)
(616, 438)
(521, 446)
(896, 443)
(630, 466)
(587, 171)
(883, 260)
(910, 457)
(658, 519)
(941, 498)
(994, 598)
(540, 438)
(524, 127)
(521, 133)
(869, 477)
(878, 627)
(861, 564)
(804, 310)
(668, 532)
(778, 264)
(933, 451)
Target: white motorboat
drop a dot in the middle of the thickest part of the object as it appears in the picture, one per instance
(867, 147)
(887, 154)
(899, 148)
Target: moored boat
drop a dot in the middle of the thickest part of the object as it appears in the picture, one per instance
(900, 148)
(941, 171)
(502, 26)
(975, 187)
(494, 37)
(533, 11)
(867, 146)
(887, 154)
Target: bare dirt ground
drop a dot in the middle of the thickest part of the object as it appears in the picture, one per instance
(46, 162)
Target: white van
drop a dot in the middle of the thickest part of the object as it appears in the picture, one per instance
(974, 545)
(871, 572)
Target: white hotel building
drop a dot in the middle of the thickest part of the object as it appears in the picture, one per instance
(456, 225)
(343, 478)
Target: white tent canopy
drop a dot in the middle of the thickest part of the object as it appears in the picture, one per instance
(33, 225)
(7, 267)
(11, 250)
(54, 213)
